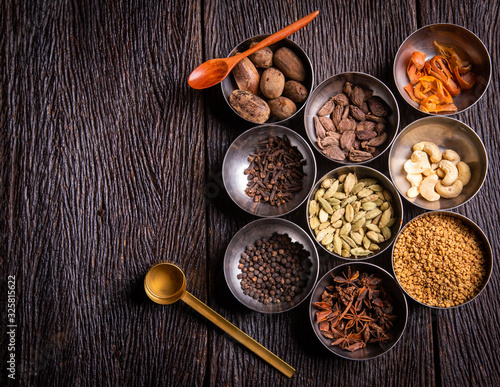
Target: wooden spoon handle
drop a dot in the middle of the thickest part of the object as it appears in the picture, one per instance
(276, 37)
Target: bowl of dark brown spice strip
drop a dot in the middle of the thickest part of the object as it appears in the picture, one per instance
(358, 311)
(269, 170)
(271, 265)
(442, 259)
(351, 118)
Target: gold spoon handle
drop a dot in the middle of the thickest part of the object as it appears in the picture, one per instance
(238, 334)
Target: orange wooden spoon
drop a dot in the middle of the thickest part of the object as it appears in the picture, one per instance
(214, 71)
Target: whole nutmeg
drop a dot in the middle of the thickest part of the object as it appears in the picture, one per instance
(272, 83)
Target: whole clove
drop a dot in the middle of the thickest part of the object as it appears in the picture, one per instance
(275, 172)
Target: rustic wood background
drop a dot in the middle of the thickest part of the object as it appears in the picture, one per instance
(110, 163)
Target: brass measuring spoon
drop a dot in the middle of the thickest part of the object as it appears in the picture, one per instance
(165, 283)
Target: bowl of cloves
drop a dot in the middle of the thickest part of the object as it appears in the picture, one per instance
(269, 170)
(351, 118)
(358, 311)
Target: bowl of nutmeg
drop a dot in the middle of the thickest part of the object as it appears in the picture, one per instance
(270, 86)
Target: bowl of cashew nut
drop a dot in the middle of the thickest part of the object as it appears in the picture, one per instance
(438, 163)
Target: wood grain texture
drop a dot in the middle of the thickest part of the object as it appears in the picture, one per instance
(103, 167)
(110, 163)
(466, 336)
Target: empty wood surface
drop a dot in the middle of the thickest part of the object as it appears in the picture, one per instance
(110, 163)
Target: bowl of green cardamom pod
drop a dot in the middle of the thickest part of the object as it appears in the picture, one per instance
(354, 212)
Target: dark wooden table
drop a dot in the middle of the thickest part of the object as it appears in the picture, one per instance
(110, 163)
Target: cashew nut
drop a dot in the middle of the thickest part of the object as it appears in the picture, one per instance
(450, 171)
(440, 173)
(451, 191)
(451, 155)
(415, 179)
(427, 188)
(418, 163)
(464, 174)
(430, 148)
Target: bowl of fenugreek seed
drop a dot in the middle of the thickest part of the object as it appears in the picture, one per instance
(442, 259)
(358, 311)
(271, 265)
(269, 170)
(354, 212)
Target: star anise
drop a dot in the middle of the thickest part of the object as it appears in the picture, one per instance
(349, 279)
(355, 319)
(347, 340)
(378, 336)
(371, 283)
(354, 311)
(384, 316)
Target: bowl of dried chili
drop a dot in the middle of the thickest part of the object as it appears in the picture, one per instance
(358, 311)
(442, 69)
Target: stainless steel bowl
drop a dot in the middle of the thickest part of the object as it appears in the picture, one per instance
(228, 85)
(236, 161)
(486, 250)
(464, 41)
(363, 172)
(333, 86)
(446, 133)
(400, 308)
(264, 228)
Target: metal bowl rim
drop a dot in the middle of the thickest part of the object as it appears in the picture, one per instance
(329, 79)
(309, 66)
(314, 257)
(448, 25)
(285, 130)
(444, 118)
(469, 222)
(318, 184)
(376, 267)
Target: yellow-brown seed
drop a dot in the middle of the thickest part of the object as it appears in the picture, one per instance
(440, 261)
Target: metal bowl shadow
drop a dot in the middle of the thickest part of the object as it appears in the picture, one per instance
(228, 85)
(363, 172)
(446, 133)
(236, 161)
(464, 41)
(333, 86)
(400, 309)
(486, 249)
(265, 228)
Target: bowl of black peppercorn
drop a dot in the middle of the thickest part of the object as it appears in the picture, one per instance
(271, 265)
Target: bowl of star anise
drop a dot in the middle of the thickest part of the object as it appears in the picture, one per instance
(358, 311)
